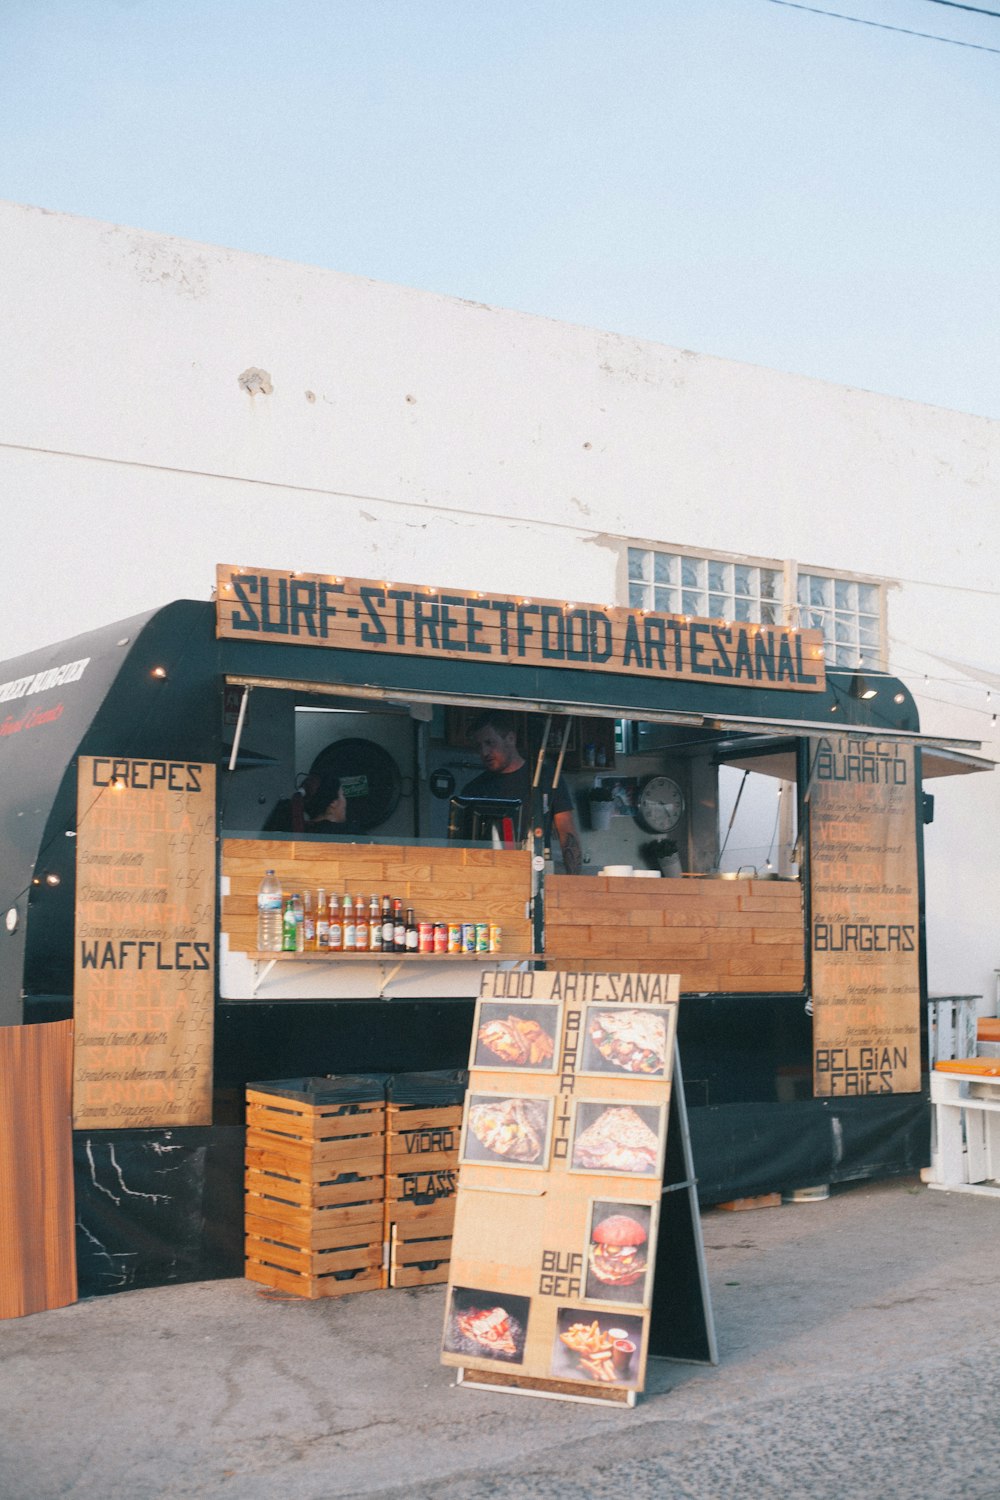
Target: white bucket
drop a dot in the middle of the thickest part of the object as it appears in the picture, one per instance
(807, 1194)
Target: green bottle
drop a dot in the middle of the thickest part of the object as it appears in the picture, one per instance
(289, 928)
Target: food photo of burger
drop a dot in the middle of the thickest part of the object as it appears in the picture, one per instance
(618, 1252)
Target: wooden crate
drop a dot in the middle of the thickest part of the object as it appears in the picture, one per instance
(315, 1194)
(421, 1174)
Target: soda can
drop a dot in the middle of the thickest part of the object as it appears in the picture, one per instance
(468, 937)
(454, 937)
(496, 937)
(440, 937)
(482, 937)
(425, 937)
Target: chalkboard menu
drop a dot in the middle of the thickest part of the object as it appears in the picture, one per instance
(145, 943)
(561, 1169)
(865, 922)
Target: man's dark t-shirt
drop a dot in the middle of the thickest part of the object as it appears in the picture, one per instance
(517, 785)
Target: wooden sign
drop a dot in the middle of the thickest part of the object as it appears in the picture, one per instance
(145, 943)
(865, 919)
(562, 1153)
(355, 614)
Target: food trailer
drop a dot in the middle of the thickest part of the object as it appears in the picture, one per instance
(140, 766)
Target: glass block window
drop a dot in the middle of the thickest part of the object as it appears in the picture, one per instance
(681, 583)
(848, 612)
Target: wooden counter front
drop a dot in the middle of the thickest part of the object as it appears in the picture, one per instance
(721, 936)
(442, 884)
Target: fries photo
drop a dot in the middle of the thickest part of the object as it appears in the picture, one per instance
(602, 1352)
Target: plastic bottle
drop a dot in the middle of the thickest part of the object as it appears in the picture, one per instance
(269, 914)
(289, 927)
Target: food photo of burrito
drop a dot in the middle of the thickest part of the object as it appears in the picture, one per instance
(617, 1138)
(618, 1252)
(522, 1037)
(627, 1039)
(510, 1132)
(486, 1325)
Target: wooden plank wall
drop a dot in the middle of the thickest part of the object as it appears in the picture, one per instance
(743, 936)
(37, 1235)
(447, 884)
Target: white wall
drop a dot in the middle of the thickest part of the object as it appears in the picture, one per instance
(421, 438)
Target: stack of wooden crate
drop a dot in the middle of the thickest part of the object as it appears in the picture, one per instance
(423, 1125)
(315, 1185)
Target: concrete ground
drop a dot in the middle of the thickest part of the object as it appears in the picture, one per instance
(860, 1357)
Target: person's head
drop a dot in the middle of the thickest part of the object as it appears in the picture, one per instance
(494, 734)
(325, 801)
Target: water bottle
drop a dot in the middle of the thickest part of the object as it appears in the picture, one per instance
(269, 914)
(289, 928)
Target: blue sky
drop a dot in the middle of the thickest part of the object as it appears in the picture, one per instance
(737, 177)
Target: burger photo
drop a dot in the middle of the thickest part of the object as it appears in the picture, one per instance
(617, 1252)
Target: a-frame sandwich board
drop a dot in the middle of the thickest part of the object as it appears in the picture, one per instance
(681, 1325)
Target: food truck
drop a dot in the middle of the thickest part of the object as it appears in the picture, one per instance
(140, 768)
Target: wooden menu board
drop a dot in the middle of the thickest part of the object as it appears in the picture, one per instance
(865, 921)
(144, 981)
(561, 1171)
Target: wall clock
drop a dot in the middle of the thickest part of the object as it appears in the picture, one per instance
(661, 804)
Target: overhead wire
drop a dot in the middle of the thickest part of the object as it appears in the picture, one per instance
(926, 36)
(977, 10)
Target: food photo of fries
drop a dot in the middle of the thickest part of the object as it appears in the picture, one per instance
(603, 1349)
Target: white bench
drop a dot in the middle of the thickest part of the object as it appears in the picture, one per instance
(965, 1150)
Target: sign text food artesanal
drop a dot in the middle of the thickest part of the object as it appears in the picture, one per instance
(413, 620)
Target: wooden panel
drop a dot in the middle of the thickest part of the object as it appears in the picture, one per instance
(448, 884)
(865, 917)
(985, 1067)
(421, 1182)
(357, 614)
(286, 1192)
(722, 935)
(37, 1234)
(145, 943)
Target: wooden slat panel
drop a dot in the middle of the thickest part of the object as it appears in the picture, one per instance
(314, 1124)
(448, 884)
(331, 1232)
(37, 1235)
(723, 935)
(403, 1276)
(298, 1285)
(416, 1221)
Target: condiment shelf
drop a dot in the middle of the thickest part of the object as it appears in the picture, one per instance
(388, 963)
(383, 957)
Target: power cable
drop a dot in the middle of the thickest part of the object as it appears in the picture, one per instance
(926, 36)
(977, 10)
